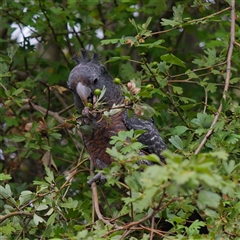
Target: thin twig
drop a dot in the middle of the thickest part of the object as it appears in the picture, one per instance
(227, 79)
(152, 228)
(236, 43)
(198, 69)
(206, 100)
(192, 21)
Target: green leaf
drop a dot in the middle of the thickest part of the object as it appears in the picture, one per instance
(179, 130)
(17, 91)
(50, 176)
(233, 138)
(203, 120)
(7, 230)
(152, 158)
(132, 21)
(41, 207)
(149, 19)
(108, 41)
(230, 166)
(113, 59)
(69, 203)
(162, 81)
(211, 87)
(220, 154)
(18, 138)
(176, 142)
(207, 198)
(51, 219)
(167, 22)
(235, 80)
(178, 12)
(170, 58)
(12, 50)
(177, 90)
(4, 177)
(131, 182)
(6, 193)
(25, 197)
(156, 44)
(37, 219)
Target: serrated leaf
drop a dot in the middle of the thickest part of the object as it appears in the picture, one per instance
(69, 203)
(176, 142)
(233, 138)
(50, 176)
(203, 120)
(177, 90)
(7, 230)
(229, 166)
(211, 87)
(220, 154)
(168, 22)
(177, 13)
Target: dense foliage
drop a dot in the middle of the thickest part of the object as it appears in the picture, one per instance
(182, 59)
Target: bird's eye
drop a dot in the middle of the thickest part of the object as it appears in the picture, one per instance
(95, 80)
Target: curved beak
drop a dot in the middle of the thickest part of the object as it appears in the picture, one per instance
(83, 92)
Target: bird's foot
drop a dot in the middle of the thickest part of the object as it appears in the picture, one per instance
(99, 177)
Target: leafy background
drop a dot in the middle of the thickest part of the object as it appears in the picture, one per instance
(189, 52)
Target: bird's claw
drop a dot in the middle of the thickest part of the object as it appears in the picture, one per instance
(99, 177)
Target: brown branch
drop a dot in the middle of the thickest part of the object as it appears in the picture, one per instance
(43, 110)
(12, 214)
(227, 79)
(159, 232)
